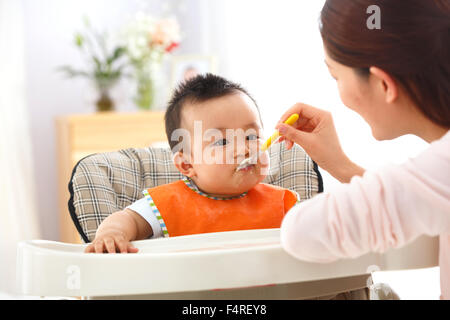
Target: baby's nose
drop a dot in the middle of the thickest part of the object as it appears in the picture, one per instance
(242, 151)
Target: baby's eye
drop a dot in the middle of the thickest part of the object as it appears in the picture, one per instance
(252, 137)
(220, 142)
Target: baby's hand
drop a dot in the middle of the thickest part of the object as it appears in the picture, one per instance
(111, 241)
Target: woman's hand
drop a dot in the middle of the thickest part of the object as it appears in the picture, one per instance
(314, 131)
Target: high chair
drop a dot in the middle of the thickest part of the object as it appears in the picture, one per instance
(246, 264)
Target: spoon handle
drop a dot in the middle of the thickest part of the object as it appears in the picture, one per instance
(290, 121)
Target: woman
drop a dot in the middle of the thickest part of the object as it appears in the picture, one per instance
(398, 79)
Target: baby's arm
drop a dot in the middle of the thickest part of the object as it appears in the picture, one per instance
(116, 231)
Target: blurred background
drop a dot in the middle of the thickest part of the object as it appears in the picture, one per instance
(63, 62)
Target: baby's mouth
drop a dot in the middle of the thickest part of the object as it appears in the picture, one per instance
(246, 168)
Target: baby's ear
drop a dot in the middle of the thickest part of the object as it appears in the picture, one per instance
(183, 164)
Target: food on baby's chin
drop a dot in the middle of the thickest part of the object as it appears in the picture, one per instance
(247, 168)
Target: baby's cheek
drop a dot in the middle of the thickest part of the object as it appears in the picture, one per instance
(217, 174)
(264, 162)
(264, 159)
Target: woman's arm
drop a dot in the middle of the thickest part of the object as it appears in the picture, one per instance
(345, 170)
(381, 210)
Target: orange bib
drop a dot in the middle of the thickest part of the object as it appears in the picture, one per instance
(182, 210)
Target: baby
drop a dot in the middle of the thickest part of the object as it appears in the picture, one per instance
(219, 125)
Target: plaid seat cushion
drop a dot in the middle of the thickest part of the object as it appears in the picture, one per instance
(108, 182)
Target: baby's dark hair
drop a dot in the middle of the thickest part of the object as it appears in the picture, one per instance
(198, 89)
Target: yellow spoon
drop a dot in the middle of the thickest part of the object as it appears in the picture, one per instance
(249, 161)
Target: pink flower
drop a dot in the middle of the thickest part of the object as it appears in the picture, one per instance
(165, 34)
(172, 46)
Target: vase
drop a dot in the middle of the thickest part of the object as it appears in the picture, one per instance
(145, 89)
(104, 102)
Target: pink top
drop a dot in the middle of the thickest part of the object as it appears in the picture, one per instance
(384, 209)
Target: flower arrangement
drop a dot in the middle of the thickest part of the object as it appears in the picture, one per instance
(105, 66)
(147, 42)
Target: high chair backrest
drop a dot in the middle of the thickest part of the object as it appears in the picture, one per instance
(108, 182)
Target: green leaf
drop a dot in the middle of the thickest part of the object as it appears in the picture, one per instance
(71, 73)
(118, 52)
(97, 62)
(79, 40)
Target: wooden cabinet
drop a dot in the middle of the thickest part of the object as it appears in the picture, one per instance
(81, 135)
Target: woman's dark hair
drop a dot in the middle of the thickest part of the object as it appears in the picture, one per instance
(412, 45)
(198, 89)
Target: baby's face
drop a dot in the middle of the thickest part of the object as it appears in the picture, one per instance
(224, 131)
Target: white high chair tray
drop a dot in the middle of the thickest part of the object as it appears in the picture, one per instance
(224, 260)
